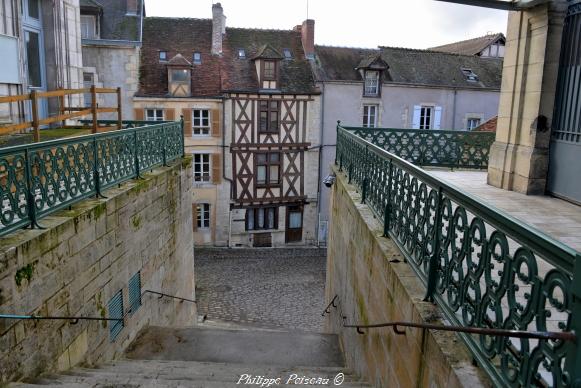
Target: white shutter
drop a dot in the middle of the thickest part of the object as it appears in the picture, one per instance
(438, 117)
(416, 117)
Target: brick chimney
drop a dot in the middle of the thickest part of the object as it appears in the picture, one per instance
(132, 7)
(308, 37)
(218, 28)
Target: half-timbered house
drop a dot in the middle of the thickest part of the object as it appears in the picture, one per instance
(252, 124)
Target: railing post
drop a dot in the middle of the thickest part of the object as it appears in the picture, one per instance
(96, 175)
(337, 141)
(94, 107)
(29, 192)
(435, 258)
(34, 107)
(573, 358)
(366, 167)
(182, 124)
(136, 150)
(119, 109)
(387, 214)
(163, 144)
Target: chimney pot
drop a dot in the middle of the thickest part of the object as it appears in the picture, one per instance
(308, 37)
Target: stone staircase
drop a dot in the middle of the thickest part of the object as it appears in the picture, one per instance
(216, 357)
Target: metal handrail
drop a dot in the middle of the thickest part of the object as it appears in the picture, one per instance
(74, 319)
(541, 335)
(162, 295)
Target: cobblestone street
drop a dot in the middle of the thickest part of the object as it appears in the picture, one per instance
(265, 287)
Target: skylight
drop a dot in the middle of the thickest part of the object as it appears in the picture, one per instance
(470, 75)
(241, 53)
(287, 53)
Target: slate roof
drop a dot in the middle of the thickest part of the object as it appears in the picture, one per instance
(219, 74)
(115, 23)
(471, 46)
(409, 66)
(268, 52)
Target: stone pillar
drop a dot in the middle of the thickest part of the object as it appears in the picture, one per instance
(519, 157)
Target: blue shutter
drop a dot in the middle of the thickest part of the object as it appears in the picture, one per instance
(116, 311)
(134, 292)
(416, 117)
(438, 118)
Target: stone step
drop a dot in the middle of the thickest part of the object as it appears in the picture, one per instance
(237, 346)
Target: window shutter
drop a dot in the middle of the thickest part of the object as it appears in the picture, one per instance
(216, 169)
(139, 114)
(187, 121)
(195, 216)
(215, 117)
(170, 114)
(416, 117)
(438, 117)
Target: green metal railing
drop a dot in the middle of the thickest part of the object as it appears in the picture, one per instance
(482, 267)
(39, 179)
(458, 149)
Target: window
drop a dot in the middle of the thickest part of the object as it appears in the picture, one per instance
(34, 9)
(88, 27)
(472, 123)
(201, 122)
(370, 116)
(469, 74)
(163, 55)
(262, 218)
(197, 58)
(33, 59)
(241, 53)
(203, 215)
(269, 116)
(154, 114)
(201, 167)
(180, 75)
(88, 81)
(287, 53)
(371, 83)
(426, 114)
(267, 168)
(269, 70)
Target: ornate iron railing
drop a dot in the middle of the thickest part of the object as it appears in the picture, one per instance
(39, 179)
(482, 267)
(458, 149)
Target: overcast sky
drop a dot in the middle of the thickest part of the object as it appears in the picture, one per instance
(353, 23)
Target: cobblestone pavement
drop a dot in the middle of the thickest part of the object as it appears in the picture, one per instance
(265, 287)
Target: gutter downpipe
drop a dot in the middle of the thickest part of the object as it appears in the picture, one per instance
(141, 22)
(321, 149)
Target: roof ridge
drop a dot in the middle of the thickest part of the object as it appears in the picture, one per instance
(260, 29)
(176, 18)
(346, 47)
(496, 34)
(428, 51)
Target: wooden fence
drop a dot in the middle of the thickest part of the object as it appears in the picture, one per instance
(65, 112)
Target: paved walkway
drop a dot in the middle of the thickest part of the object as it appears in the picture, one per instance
(555, 217)
(282, 288)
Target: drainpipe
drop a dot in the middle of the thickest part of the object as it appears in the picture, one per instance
(223, 125)
(321, 148)
(141, 21)
(454, 109)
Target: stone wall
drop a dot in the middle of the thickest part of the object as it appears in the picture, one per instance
(86, 255)
(375, 285)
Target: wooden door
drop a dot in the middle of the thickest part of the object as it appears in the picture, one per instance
(294, 223)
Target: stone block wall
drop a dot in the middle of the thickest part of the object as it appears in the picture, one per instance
(375, 285)
(84, 256)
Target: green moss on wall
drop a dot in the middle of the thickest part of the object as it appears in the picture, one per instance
(25, 272)
(136, 222)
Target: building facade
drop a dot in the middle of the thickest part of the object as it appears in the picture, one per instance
(401, 88)
(111, 32)
(251, 116)
(40, 46)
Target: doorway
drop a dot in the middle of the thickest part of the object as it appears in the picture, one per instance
(294, 223)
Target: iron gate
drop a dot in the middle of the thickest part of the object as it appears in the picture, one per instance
(564, 178)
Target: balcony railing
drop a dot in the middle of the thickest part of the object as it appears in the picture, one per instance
(482, 267)
(458, 149)
(41, 178)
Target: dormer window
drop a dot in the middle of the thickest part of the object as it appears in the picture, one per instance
(241, 54)
(269, 72)
(371, 83)
(287, 53)
(179, 74)
(89, 27)
(197, 58)
(470, 75)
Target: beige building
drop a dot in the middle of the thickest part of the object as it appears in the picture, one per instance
(40, 47)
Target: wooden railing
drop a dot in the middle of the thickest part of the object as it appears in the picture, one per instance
(65, 112)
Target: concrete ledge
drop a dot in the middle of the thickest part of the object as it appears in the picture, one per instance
(83, 257)
(375, 285)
